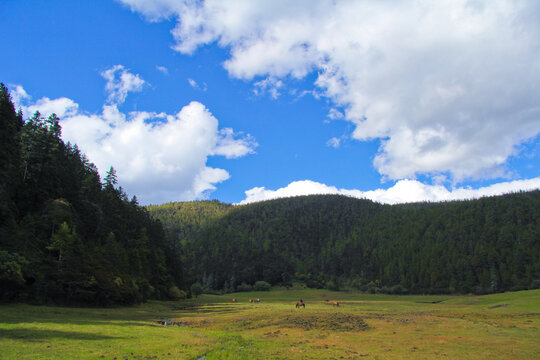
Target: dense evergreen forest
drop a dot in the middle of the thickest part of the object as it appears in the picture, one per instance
(336, 242)
(69, 237)
(66, 236)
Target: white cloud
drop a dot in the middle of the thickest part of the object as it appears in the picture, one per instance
(404, 191)
(334, 142)
(119, 82)
(61, 107)
(18, 95)
(162, 69)
(195, 85)
(232, 148)
(270, 85)
(159, 157)
(192, 83)
(449, 87)
(335, 114)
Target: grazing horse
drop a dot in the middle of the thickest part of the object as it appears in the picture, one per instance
(250, 300)
(234, 300)
(335, 303)
(301, 303)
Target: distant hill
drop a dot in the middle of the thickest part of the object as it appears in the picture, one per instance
(483, 246)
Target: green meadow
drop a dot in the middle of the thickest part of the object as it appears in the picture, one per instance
(364, 326)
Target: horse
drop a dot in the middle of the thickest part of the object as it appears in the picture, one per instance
(301, 303)
(257, 300)
(335, 303)
(250, 300)
(234, 300)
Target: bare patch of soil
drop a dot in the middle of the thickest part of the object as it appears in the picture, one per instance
(331, 321)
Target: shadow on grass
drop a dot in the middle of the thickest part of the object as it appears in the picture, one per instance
(111, 321)
(121, 316)
(37, 335)
(208, 308)
(129, 316)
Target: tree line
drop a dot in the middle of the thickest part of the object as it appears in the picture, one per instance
(329, 241)
(66, 235)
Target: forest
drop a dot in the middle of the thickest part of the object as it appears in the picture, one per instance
(478, 246)
(67, 236)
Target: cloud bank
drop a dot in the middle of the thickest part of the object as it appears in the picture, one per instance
(448, 87)
(159, 157)
(404, 191)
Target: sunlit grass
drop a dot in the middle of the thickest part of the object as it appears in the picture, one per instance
(500, 326)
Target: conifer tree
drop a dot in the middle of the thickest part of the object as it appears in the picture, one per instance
(10, 156)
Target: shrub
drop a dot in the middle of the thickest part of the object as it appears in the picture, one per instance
(371, 288)
(262, 286)
(298, 285)
(331, 285)
(244, 287)
(11, 268)
(196, 289)
(176, 294)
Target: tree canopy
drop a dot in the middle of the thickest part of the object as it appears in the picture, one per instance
(485, 245)
(66, 237)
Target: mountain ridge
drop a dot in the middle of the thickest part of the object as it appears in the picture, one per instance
(484, 245)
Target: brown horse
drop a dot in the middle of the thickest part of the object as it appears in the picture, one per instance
(234, 300)
(250, 300)
(301, 303)
(335, 303)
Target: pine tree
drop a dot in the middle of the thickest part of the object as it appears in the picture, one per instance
(111, 180)
(10, 156)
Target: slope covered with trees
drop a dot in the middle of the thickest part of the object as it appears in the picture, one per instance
(66, 236)
(485, 245)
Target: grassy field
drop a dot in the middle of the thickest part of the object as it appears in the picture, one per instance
(500, 326)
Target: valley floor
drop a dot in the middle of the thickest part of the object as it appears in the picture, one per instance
(500, 326)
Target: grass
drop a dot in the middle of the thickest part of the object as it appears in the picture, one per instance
(499, 326)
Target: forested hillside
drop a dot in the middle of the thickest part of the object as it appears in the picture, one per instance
(66, 236)
(486, 245)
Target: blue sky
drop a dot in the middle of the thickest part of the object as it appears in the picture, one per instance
(244, 101)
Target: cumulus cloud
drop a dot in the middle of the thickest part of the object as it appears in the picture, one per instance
(448, 87)
(61, 107)
(18, 95)
(230, 146)
(159, 157)
(120, 82)
(404, 191)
